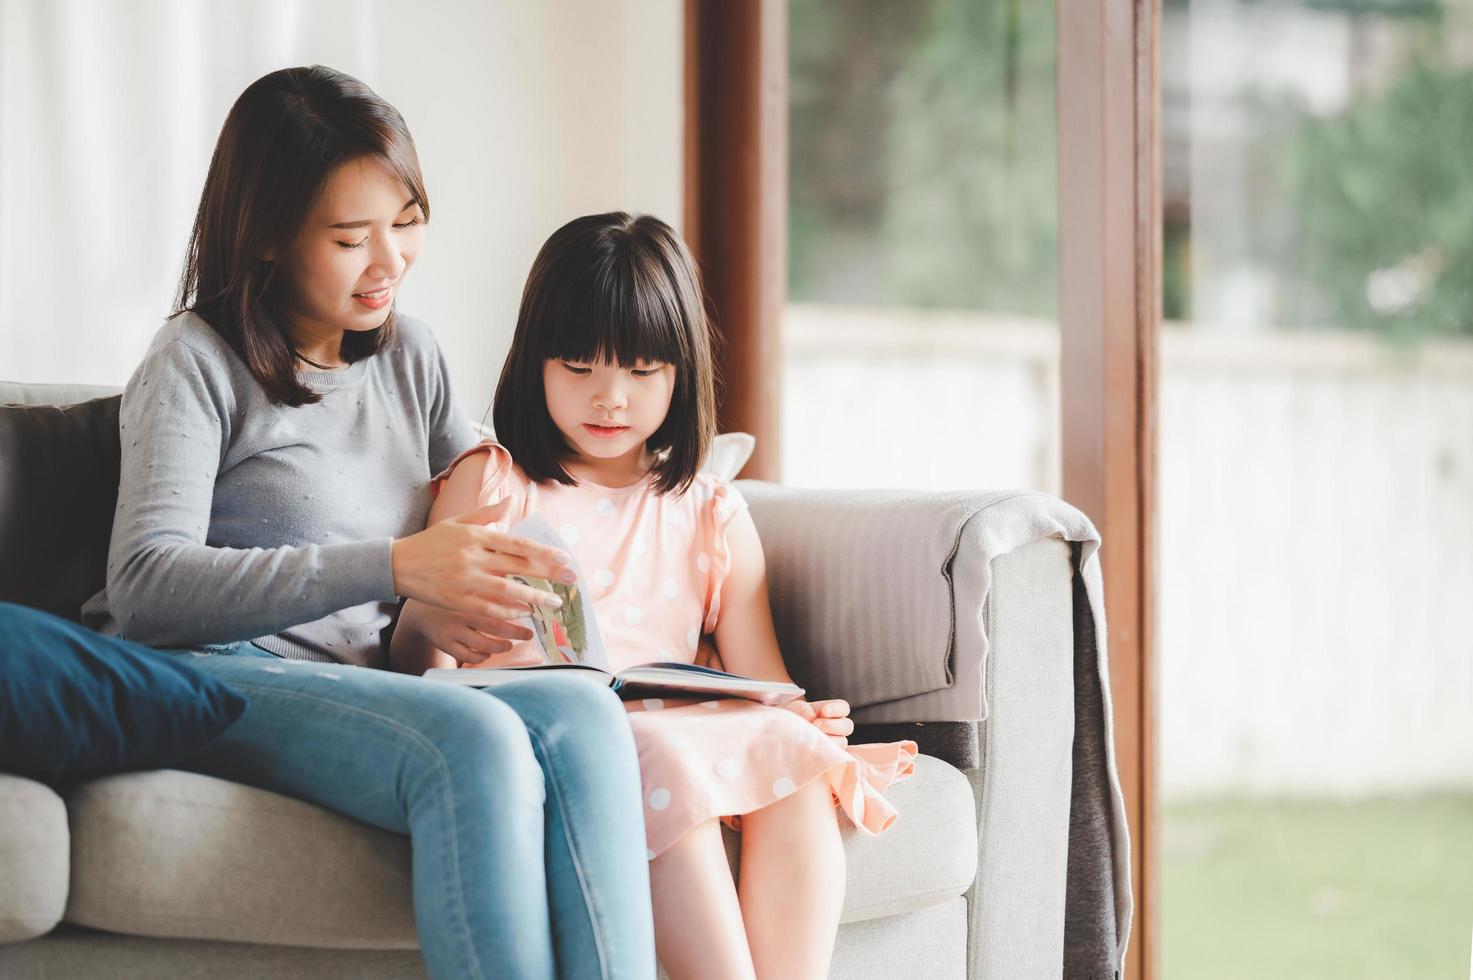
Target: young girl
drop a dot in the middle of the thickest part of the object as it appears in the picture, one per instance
(605, 411)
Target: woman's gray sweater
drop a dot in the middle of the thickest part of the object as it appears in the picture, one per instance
(240, 519)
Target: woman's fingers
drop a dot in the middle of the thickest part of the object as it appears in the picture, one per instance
(462, 653)
(537, 559)
(497, 627)
(473, 647)
(485, 646)
(509, 592)
(497, 604)
(485, 608)
(505, 563)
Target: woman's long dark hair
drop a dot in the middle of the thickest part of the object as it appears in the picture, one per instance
(283, 138)
(616, 289)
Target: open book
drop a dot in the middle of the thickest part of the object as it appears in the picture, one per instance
(659, 680)
(570, 640)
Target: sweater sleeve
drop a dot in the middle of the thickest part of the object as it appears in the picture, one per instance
(165, 586)
(450, 430)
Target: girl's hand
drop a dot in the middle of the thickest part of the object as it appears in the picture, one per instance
(706, 655)
(830, 717)
(461, 565)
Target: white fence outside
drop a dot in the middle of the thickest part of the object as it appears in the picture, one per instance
(1316, 523)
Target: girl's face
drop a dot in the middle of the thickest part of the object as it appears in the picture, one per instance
(361, 237)
(607, 412)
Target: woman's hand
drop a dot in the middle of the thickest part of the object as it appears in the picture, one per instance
(461, 565)
(830, 717)
(465, 637)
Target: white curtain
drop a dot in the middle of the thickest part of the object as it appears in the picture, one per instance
(525, 115)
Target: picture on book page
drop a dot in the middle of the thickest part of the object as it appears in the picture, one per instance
(568, 634)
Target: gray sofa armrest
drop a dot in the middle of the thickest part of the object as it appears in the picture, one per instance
(853, 604)
(863, 609)
(878, 595)
(1023, 779)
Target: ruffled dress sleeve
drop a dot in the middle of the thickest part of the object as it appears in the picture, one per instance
(500, 478)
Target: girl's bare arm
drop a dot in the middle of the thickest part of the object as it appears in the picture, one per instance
(746, 641)
(745, 638)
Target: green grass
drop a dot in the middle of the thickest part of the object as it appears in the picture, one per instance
(1309, 889)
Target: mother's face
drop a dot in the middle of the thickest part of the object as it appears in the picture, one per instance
(361, 237)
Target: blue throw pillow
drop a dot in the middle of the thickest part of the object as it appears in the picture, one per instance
(74, 703)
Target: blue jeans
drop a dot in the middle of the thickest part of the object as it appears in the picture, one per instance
(523, 808)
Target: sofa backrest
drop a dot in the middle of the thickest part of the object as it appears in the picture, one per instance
(58, 491)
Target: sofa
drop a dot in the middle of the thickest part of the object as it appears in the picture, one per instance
(175, 874)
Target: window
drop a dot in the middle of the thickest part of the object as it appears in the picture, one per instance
(921, 339)
(1316, 488)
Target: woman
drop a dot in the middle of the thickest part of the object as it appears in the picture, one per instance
(277, 447)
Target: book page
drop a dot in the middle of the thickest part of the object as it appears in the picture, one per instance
(667, 679)
(568, 635)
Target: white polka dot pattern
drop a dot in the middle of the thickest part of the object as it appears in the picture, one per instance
(659, 798)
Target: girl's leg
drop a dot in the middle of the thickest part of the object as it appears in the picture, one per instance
(450, 767)
(792, 883)
(597, 871)
(698, 921)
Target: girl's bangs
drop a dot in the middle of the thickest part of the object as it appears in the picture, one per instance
(616, 318)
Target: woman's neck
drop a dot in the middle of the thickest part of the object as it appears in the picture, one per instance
(320, 346)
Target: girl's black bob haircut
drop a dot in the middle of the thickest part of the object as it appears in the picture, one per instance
(614, 289)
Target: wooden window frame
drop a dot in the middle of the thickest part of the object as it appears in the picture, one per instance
(736, 202)
(1108, 95)
(1109, 325)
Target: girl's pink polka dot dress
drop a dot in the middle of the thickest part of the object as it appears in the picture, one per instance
(655, 566)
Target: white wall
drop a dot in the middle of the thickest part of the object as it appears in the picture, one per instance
(525, 115)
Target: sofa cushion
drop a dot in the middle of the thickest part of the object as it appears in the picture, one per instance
(58, 491)
(33, 393)
(74, 953)
(74, 703)
(34, 859)
(184, 855)
(179, 854)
